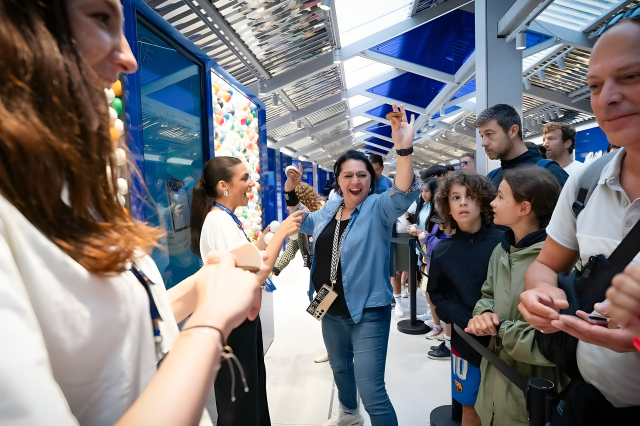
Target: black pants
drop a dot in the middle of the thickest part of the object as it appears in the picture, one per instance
(583, 405)
(250, 408)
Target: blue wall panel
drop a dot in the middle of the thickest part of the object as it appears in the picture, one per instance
(442, 44)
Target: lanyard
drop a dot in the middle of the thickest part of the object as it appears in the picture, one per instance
(337, 248)
(233, 216)
(155, 314)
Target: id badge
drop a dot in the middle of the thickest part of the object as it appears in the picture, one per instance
(269, 286)
(321, 303)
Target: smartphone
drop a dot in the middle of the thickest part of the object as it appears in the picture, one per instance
(598, 319)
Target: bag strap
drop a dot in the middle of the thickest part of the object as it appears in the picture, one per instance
(588, 182)
(626, 250)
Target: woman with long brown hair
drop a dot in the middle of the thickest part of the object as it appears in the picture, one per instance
(76, 287)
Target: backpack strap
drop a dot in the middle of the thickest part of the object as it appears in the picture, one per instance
(588, 182)
(492, 173)
(544, 163)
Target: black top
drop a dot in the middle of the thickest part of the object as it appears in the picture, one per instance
(322, 271)
(531, 157)
(458, 269)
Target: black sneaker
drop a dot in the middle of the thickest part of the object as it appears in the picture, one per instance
(441, 352)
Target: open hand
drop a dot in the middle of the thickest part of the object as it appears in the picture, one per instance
(483, 324)
(293, 178)
(401, 129)
(290, 225)
(618, 340)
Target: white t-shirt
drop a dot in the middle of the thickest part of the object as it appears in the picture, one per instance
(74, 347)
(402, 223)
(220, 233)
(600, 227)
(574, 167)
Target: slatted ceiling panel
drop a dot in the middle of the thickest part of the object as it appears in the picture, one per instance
(284, 131)
(327, 113)
(569, 79)
(629, 6)
(465, 141)
(274, 112)
(426, 4)
(316, 88)
(529, 103)
(281, 34)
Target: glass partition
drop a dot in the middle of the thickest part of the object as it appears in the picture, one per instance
(171, 101)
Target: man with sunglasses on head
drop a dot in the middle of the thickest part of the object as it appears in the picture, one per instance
(609, 392)
(468, 162)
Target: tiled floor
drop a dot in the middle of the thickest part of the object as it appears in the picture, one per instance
(301, 392)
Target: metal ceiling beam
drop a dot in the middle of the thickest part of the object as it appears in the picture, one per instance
(228, 36)
(540, 47)
(408, 66)
(362, 109)
(372, 82)
(305, 133)
(460, 100)
(414, 7)
(519, 16)
(326, 60)
(569, 37)
(364, 126)
(388, 100)
(342, 135)
(560, 99)
(537, 109)
(375, 135)
(303, 112)
(605, 16)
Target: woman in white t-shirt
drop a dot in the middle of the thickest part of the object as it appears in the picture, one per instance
(222, 189)
(77, 343)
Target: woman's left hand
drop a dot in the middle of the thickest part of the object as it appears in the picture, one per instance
(261, 244)
(401, 129)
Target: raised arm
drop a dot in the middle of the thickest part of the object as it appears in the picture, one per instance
(293, 179)
(402, 134)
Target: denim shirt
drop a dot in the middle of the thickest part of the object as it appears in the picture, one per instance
(365, 249)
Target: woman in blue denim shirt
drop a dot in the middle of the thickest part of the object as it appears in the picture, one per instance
(356, 326)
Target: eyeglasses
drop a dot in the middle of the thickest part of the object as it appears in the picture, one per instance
(633, 13)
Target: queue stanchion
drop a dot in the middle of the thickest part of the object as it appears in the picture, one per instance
(540, 394)
(411, 325)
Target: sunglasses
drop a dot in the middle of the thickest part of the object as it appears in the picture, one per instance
(464, 163)
(633, 13)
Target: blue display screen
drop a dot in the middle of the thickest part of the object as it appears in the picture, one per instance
(171, 99)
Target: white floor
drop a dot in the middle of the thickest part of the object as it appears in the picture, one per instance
(301, 392)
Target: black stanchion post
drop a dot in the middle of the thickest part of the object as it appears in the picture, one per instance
(540, 396)
(412, 325)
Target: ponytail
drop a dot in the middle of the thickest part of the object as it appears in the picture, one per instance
(200, 206)
(204, 192)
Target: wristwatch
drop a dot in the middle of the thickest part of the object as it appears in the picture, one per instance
(404, 152)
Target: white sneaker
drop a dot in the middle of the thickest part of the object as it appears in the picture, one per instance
(343, 419)
(404, 294)
(430, 323)
(434, 333)
(424, 317)
(441, 337)
(398, 311)
(322, 358)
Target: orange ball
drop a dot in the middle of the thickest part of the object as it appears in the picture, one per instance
(113, 132)
(117, 88)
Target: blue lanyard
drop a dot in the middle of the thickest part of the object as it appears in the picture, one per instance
(233, 216)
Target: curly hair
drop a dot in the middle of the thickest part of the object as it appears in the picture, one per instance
(309, 197)
(480, 189)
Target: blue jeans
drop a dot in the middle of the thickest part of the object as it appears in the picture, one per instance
(358, 354)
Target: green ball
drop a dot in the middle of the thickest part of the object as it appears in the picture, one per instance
(244, 215)
(117, 105)
(233, 126)
(241, 134)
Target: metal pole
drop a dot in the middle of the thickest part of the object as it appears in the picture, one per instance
(413, 266)
(540, 396)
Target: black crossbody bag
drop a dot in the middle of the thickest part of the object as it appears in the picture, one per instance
(586, 287)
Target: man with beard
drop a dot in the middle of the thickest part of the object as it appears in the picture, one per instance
(501, 131)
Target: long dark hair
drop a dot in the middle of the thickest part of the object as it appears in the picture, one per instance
(537, 186)
(50, 102)
(478, 187)
(358, 156)
(206, 189)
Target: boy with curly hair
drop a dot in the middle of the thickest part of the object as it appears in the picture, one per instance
(458, 270)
